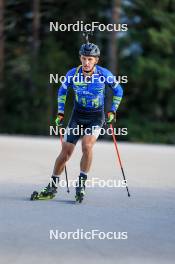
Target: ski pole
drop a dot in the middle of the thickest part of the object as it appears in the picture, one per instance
(65, 169)
(118, 155)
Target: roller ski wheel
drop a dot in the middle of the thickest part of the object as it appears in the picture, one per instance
(46, 194)
(79, 194)
(34, 196)
(80, 188)
(79, 197)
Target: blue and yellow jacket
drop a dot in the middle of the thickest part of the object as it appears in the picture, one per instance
(90, 91)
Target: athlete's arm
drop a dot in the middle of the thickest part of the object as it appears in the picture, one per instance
(117, 90)
(62, 91)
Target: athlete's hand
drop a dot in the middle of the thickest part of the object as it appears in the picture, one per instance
(110, 117)
(59, 119)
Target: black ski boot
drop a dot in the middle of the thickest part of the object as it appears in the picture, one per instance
(80, 188)
(48, 192)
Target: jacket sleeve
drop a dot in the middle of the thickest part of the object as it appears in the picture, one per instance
(63, 89)
(116, 88)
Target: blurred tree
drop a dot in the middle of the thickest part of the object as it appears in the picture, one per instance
(1, 57)
(115, 19)
(147, 55)
(1, 39)
(36, 27)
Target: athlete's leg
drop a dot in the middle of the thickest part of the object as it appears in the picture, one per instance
(87, 145)
(66, 152)
(69, 143)
(91, 133)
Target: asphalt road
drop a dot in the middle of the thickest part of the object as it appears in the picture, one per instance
(148, 216)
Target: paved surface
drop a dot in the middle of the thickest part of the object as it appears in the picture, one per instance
(148, 216)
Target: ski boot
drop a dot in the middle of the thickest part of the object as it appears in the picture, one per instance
(47, 193)
(80, 188)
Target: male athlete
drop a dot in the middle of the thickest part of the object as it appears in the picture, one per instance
(88, 82)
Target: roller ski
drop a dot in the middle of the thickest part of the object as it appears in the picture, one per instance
(47, 193)
(80, 189)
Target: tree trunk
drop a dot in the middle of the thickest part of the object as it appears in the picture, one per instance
(112, 51)
(2, 60)
(115, 16)
(35, 43)
(1, 40)
(36, 27)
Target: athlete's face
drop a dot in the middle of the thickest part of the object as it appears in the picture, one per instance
(88, 62)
